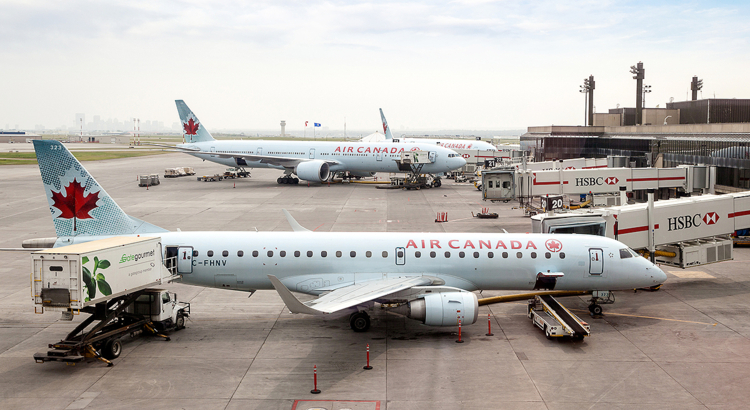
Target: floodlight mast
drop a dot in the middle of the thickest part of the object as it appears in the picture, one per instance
(639, 74)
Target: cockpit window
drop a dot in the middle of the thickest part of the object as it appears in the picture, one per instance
(625, 253)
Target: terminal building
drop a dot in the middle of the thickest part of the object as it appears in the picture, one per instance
(711, 132)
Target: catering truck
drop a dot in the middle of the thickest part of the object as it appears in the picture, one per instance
(113, 280)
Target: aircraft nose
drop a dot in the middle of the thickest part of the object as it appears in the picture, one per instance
(460, 162)
(659, 275)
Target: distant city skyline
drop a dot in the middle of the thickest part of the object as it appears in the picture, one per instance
(465, 64)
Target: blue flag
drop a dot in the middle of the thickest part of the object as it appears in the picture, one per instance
(317, 124)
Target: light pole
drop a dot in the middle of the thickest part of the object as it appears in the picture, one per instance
(646, 90)
(584, 89)
(639, 74)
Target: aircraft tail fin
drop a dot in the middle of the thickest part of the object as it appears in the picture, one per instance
(386, 128)
(79, 206)
(192, 128)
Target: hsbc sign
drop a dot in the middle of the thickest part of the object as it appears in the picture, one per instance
(692, 221)
(592, 181)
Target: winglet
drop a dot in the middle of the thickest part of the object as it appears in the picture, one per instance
(291, 301)
(386, 128)
(296, 227)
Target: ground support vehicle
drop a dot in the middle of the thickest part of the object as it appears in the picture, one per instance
(148, 180)
(555, 319)
(144, 312)
(211, 178)
(111, 279)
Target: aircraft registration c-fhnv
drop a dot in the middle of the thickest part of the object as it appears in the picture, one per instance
(314, 161)
(431, 276)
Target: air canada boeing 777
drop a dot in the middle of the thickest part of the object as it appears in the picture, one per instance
(309, 160)
(431, 276)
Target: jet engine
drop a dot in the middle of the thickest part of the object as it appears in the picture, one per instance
(313, 171)
(443, 309)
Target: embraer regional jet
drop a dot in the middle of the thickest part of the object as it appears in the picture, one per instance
(309, 160)
(431, 276)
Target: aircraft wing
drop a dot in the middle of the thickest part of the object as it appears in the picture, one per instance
(347, 296)
(174, 147)
(289, 162)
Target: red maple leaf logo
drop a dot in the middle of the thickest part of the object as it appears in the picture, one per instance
(553, 245)
(191, 127)
(385, 128)
(74, 204)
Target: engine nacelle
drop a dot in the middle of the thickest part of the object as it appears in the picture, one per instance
(442, 309)
(313, 170)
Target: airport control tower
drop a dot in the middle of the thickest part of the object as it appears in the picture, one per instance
(283, 126)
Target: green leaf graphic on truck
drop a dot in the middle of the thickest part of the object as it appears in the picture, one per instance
(92, 280)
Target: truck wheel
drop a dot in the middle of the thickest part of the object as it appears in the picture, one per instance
(180, 322)
(112, 349)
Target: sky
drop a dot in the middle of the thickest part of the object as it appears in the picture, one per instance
(467, 64)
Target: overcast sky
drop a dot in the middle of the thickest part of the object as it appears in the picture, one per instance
(469, 64)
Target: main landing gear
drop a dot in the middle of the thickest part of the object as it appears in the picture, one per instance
(287, 179)
(360, 321)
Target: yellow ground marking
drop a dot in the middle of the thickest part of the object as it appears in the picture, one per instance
(690, 274)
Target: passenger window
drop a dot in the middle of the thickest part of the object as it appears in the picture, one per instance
(210, 254)
(309, 254)
(490, 255)
(296, 254)
(368, 254)
(562, 255)
(476, 254)
(225, 254)
(519, 255)
(269, 253)
(624, 254)
(255, 254)
(282, 253)
(505, 255)
(447, 254)
(433, 254)
(195, 253)
(547, 255)
(323, 253)
(338, 254)
(400, 254)
(385, 254)
(352, 254)
(533, 255)
(240, 253)
(461, 254)
(417, 254)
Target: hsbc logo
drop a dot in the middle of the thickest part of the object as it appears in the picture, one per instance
(710, 218)
(692, 221)
(591, 181)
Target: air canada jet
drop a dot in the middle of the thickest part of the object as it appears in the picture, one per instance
(431, 276)
(443, 142)
(313, 161)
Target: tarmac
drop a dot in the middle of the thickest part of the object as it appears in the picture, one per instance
(683, 347)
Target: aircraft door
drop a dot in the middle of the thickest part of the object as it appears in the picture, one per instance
(596, 261)
(432, 156)
(312, 153)
(260, 151)
(213, 149)
(185, 259)
(400, 256)
(379, 156)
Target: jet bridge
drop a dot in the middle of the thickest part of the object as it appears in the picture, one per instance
(510, 183)
(681, 232)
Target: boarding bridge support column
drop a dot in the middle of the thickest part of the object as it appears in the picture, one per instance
(623, 195)
(650, 214)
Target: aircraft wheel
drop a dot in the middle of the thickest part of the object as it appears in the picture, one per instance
(595, 309)
(438, 183)
(112, 349)
(279, 180)
(359, 322)
(296, 181)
